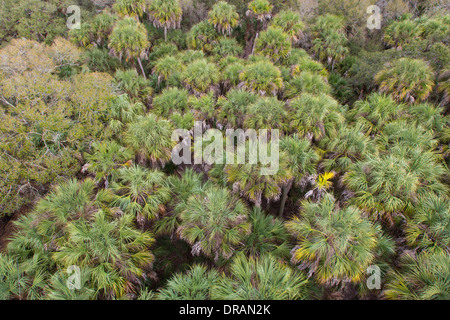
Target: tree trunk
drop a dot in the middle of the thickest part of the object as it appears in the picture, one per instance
(142, 69)
(165, 34)
(254, 42)
(284, 197)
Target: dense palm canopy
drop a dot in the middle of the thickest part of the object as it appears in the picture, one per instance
(353, 176)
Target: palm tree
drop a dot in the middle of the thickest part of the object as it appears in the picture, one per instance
(223, 17)
(203, 107)
(407, 79)
(313, 116)
(129, 40)
(251, 182)
(130, 8)
(268, 235)
(214, 223)
(444, 86)
(377, 110)
(59, 290)
(150, 138)
(307, 82)
(105, 158)
(389, 183)
(201, 75)
(321, 185)
(136, 86)
(262, 278)
(329, 39)
(261, 10)
(262, 77)
(336, 245)
(429, 228)
(231, 72)
(165, 14)
(196, 284)
(299, 61)
(115, 251)
(182, 187)
(167, 66)
(102, 26)
(141, 192)
(266, 113)
(122, 111)
(227, 47)
(346, 145)
(169, 101)
(273, 43)
(399, 33)
(291, 24)
(301, 160)
(233, 108)
(421, 277)
(202, 36)
(68, 201)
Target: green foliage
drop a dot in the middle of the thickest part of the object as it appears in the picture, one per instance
(201, 75)
(289, 21)
(165, 14)
(141, 192)
(429, 227)
(133, 84)
(273, 43)
(307, 82)
(223, 17)
(196, 284)
(214, 223)
(268, 235)
(424, 277)
(334, 244)
(363, 150)
(234, 107)
(170, 100)
(262, 77)
(150, 138)
(262, 278)
(314, 115)
(202, 36)
(407, 79)
(128, 40)
(33, 19)
(329, 40)
(227, 47)
(46, 121)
